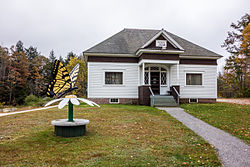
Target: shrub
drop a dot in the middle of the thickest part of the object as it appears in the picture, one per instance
(31, 100)
(2, 104)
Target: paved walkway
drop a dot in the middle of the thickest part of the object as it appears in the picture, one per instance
(18, 112)
(232, 151)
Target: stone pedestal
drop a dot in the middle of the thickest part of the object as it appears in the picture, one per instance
(65, 128)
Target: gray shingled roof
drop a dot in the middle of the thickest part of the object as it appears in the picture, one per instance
(128, 41)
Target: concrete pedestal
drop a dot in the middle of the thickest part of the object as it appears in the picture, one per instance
(70, 129)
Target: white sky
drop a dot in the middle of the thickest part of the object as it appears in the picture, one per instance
(76, 25)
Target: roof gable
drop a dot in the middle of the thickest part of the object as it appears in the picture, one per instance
(153, 46)
(162, 35)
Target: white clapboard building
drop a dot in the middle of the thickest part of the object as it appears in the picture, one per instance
(151, 67)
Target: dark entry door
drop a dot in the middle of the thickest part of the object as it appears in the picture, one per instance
(155, 82)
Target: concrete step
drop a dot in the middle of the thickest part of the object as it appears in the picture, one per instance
(160, 101)
(164, 100)
(161, 97)
(165, 105)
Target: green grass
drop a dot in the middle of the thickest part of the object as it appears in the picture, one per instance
(118, 135)
(232, 118)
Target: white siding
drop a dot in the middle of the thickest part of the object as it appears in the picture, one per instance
(209, 82)
(96, 80)
(173, 75)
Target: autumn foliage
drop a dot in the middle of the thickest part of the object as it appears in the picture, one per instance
(82, 75)
(235, 82)
(24, 72)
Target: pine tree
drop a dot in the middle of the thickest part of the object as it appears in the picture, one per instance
(70, 55)
(61, 59)
(52, 57)
(19, 47)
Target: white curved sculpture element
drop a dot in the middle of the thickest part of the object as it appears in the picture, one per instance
(52, 101)
(94, 103)
(88, 101)
(73, 99)
(63, 103)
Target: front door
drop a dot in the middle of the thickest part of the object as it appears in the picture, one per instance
(155, 82)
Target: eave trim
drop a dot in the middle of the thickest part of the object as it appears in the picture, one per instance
(200, 57)
(110, 54)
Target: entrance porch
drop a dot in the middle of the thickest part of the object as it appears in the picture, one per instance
(159, 82)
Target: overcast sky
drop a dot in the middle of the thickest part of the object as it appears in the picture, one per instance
(76, 25)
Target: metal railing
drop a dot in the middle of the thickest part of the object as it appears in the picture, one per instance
(152, 100)
(152, 93)
(178, 95)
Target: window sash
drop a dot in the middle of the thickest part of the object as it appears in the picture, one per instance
(193, 79)
(113, 78)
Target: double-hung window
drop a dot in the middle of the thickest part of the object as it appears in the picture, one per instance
(193, 79)
(113, 78)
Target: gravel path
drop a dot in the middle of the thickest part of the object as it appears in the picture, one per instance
(243, 101)
(232, 151)
(18, 112)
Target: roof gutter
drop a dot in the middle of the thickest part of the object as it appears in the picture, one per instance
(199, 57)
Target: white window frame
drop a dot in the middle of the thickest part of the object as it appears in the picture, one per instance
(193, 72)
(114, 102)
(160, 66)
(113, 85)
(193, 102)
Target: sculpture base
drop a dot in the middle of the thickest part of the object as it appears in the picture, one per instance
(70, 129)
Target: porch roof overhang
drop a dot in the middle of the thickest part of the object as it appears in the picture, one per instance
(151, 61)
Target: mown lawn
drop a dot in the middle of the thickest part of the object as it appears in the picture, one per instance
(232, 118)
(118, 135)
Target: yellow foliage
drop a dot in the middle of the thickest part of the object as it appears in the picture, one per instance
(81, 82)
(245, 45)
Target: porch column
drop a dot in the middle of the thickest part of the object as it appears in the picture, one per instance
(178, 73)
(139, 75)
(143, 73)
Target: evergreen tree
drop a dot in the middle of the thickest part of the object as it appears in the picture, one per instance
(52, 57)
(32, 53)
(61, 59)
(19, 47)
(70, 55)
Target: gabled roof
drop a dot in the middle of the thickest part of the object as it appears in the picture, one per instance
(166, 36)
(128, 41)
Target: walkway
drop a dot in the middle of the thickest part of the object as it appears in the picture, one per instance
(243, 101)
(18, 112)
(232, 151)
